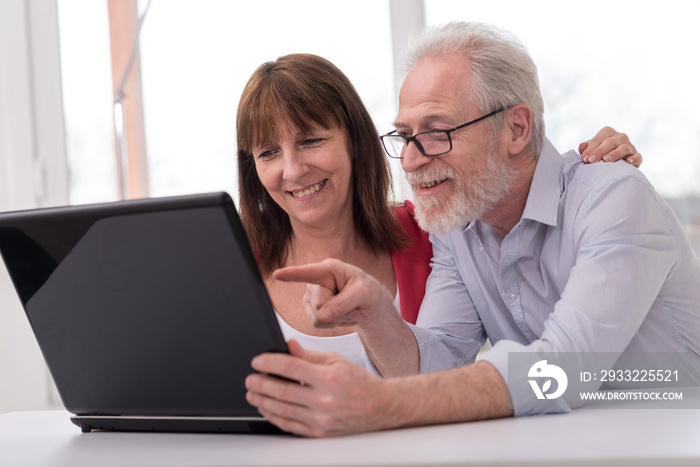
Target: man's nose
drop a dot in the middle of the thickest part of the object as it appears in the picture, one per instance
(413, 158)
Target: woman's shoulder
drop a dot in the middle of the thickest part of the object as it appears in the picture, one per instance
(406, 216)
(407, 207)
(412, 263)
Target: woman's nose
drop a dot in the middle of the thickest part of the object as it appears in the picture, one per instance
(294, 166)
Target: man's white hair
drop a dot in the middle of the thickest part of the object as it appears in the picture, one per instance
(503, 73)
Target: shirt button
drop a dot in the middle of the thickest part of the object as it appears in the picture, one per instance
(512, 295)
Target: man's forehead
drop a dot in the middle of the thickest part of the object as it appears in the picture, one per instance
(416, 115)
(435, 88)
(423, 113)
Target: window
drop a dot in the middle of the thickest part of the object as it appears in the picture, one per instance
(87, 100)
(195, 60)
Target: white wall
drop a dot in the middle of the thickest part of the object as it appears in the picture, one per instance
(32, 174)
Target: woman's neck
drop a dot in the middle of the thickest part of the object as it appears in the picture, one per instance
(342, 242)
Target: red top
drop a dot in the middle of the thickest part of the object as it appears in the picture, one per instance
(411, 264)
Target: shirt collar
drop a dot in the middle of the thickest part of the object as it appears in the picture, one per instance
(542, 203)
(545, 190)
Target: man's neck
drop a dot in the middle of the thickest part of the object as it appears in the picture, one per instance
(508, 212)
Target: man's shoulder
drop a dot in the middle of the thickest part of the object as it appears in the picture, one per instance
(598, 175)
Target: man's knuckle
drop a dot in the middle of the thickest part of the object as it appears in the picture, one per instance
(326, 405)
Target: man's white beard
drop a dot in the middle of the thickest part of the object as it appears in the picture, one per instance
(471, 199)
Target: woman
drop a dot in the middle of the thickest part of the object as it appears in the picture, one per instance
(314, 184)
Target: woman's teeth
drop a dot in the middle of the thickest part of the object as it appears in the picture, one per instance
(309, 191)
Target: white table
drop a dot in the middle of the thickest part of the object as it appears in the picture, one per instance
(639, 437)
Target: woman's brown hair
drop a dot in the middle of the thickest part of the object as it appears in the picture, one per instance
(304, 90)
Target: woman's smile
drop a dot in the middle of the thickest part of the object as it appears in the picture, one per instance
(305, 193)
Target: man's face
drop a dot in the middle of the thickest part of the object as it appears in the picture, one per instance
(466, 183)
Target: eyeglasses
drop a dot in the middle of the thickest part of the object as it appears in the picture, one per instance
(429, 143)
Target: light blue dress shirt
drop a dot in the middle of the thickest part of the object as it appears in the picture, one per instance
(597, 263)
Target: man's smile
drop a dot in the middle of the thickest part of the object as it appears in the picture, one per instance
(432, 183)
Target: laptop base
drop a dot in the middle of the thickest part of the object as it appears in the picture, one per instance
(251, 425)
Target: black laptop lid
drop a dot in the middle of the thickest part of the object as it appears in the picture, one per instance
(147, 307)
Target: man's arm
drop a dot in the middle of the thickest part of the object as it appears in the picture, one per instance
(337, 397)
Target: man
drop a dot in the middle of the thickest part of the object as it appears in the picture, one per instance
(525, 253)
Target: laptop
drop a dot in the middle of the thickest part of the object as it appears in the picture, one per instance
(147, 312)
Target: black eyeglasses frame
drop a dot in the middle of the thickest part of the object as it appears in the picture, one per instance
(447, 132)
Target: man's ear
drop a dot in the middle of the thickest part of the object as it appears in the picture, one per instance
(519, 124)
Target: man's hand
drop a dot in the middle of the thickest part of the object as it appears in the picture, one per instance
(336, 396)
(609, 146)
(339, 294)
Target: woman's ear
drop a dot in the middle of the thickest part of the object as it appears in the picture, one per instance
(519, 124)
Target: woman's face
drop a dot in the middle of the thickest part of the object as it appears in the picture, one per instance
(309, 175)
